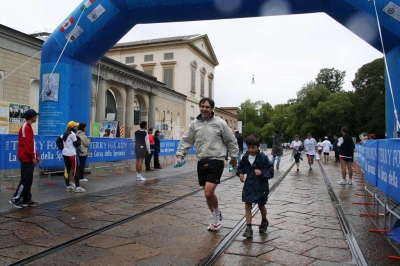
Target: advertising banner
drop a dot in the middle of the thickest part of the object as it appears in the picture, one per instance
(370, 152)
(389, 167)
(108, 129)
(102, 149)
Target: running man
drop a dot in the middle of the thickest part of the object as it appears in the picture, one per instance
(310, 145)
(213, 139)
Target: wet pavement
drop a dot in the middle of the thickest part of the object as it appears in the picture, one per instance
(163, 221)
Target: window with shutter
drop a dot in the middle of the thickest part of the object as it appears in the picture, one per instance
(168, 77)
(129, 60)
(148, 57)
(193, 81)
(210, 89)
(202, 85)
(148, 71)
(168, 56)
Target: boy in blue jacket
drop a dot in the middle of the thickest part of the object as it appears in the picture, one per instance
(258, 169)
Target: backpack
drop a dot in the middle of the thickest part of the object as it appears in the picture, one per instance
(60, 143)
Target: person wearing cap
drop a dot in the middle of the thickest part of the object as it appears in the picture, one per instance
(310, 145)
(71, 143)
(157, 149)
(148, 157)
(239, 140)
(326, 148)
(213, 138)
(29, 158)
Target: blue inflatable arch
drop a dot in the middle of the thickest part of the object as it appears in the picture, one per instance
(97, 25)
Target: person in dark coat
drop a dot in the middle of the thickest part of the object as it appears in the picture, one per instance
(277, 149)
(157, 150)
(335, 148)
(258, 169)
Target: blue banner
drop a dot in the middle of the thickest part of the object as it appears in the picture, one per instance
(389, 167)
(370, 161)
(102, 149)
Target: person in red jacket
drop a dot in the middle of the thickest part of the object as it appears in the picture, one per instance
(148, 157)
(28, 156)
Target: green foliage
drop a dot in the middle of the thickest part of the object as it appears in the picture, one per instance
(322, 108)
(331, 78)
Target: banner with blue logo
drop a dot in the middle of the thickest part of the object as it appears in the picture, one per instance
(102, 149)
(370, 161)
(389, 167)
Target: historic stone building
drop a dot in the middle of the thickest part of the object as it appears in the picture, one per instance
(229, 114)
(117, 89)
(185, 64)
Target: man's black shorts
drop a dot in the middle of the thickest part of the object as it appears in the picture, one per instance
(326, 153)
(209, 171)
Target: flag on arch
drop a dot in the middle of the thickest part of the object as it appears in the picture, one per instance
(87, 4)
(66, 24)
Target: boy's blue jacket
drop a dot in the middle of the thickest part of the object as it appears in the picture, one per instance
(256, 188)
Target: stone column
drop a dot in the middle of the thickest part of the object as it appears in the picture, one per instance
(130, 103)
(152, 111)
(101, 101)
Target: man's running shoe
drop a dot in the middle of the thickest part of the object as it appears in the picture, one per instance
(342, 182)
(16, 203)
(30, 203)
(350, 182)
(216, 223)
(310, 169)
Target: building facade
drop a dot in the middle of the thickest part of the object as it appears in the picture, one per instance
(186, 64)
(117, 89)
(229, 114)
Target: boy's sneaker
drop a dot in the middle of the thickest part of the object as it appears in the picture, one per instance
(248, 232)
(350, 182)
(71, 184)
(79, 190)
(342, 182)
(16, 203)
(263, 227)
(84, 180)
(140, 178)
(30, 203)
(69, 188)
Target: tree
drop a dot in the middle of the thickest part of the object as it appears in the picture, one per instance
(331, 78)
(369, 98)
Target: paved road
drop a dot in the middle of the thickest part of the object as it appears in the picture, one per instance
(304, 226)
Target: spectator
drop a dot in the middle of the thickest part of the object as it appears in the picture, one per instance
(148, 157)
(142, 146)
(29, 158)
(346, 151)
(84, 151)
(157, 150)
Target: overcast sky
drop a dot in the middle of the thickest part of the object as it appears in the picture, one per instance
(282, 52)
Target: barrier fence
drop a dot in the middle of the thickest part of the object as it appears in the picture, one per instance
(104, 150)
(380, 162)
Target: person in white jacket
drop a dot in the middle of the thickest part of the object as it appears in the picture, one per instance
(213, 139)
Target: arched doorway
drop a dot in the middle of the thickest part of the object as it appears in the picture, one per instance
(111, 106)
